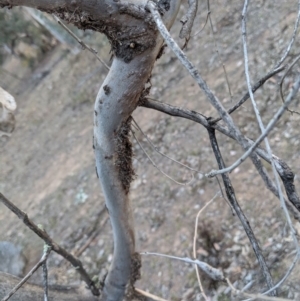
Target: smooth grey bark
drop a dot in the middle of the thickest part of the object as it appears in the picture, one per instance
(117, 99)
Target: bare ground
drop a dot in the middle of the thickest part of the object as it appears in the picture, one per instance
(48, 169)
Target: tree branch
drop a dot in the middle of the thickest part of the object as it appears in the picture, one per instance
(188, 20)
(41, 262)
(255, 87)
(287, 51)
(264, 134)
(233, 201)
(194, 72)
(48, 240)
(32, 292)
(284, 171)
(83, 45)
(261, 125)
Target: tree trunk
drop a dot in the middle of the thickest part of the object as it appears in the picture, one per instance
(117, 99)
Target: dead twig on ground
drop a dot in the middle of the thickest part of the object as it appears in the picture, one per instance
(195, 243)
(146, 294)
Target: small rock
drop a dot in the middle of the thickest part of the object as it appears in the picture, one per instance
(12, 260)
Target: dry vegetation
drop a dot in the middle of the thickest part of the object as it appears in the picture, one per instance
(48, 170)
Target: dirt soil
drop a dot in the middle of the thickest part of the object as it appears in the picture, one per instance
(48, 169)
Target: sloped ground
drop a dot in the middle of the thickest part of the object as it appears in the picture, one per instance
(48, 169)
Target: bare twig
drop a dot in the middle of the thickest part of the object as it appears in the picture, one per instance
(161, 171)
(45, 274)
(287, 177)
(224, 197)
(210, 271)
(54, 246)
(282, 202)
(11, 74)
(45, 278)
(177, 112)
(154, 297)
(264, 134)
(255, 87)
(188, 20)
(90, 235)
(191, 68)
(195, 243)
(33, 292)
(217, 50)
(292, 39)
(94, 234)
(232, 199)
(261, 125)
(202, 84)
(254, 296)
(158, 151)
(41, 262)
(206, 19)
(285, 172)
(287, 274)
(282, 79)
(83, 45)
(197, 77)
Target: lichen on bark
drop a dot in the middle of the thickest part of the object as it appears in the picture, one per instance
(124, 155)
